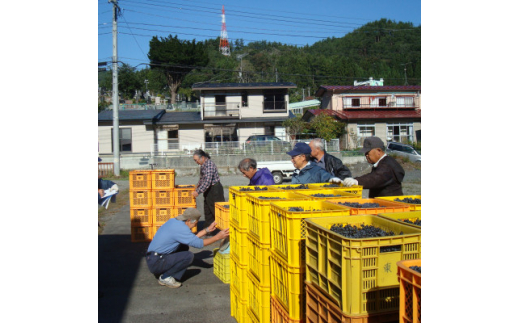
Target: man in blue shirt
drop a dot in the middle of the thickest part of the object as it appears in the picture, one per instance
(168, 254)
(306, 170)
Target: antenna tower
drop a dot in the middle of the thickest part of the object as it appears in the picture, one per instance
(224, 44)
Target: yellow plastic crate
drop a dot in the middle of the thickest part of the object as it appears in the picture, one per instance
(356, 189)
(182, 195)
(140, 198)
(143, 233)
(238, 242)
(237, 193)
(347, 269)
(140, 180)
(413, 207)
(258, 210)
(238, 277)
(259, 303)
(319, 308)
(222, 215)
(141, 216)
(409, 291)
(280, 315)
(238, 306)
(401, 216)
(259, 255)
(287, 286)
(385, 206)
(315, 194)
(221, 266)
(162, 198)
(163, 179)
(288, 227)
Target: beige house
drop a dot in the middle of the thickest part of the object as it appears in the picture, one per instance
(392, 113)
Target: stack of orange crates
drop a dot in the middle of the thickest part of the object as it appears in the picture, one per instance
(154, 199)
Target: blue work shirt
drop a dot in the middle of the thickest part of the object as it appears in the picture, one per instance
(171, 234)
(311, 173)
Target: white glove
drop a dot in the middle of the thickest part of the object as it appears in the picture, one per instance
(335, 180)
(114, 188)
(349, 181)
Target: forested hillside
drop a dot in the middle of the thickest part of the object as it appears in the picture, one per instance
(380, 49)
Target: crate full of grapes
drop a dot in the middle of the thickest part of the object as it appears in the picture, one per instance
(412, 218)
(350, 256)
(413, 200)
(360, 206)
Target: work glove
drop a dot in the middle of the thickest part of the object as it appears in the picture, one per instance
(114, 188)
(335, 180)
(349, 181)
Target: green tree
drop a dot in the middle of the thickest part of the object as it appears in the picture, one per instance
(327, 127)
(176, 58)
(295, 126)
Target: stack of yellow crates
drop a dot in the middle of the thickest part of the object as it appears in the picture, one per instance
(154, 199)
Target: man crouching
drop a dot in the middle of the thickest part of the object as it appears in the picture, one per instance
(168, 254)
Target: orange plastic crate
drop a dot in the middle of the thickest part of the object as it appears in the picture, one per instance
(143, 233)
(140, 180)
(280, 315)
(141, 216)
(314, 194)
(409, 291)
(161, 214)
(320, 309)
(140, 198)
(182, 195)
(163, 179)
(163, 197)
(222, 215)
(386, 206)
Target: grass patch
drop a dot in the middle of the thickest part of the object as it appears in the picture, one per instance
(122, 199)
(123, 174)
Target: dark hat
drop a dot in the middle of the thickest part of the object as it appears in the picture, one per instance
(98, 159)
(372, 143)
(189, 214)
(300, 148)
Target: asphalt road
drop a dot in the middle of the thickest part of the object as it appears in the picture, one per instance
(128, 292)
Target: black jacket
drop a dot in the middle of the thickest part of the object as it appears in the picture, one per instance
(384, 180)
(335, 166)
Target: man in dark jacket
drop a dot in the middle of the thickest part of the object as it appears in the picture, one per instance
(326, 161)
(261, 176)
(386, 176)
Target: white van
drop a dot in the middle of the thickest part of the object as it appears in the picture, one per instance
(400, 149)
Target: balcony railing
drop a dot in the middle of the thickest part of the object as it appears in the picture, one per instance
(227, 110)
(409, 103)
(275, 106)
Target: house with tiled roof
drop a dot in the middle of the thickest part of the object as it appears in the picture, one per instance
(392, 113)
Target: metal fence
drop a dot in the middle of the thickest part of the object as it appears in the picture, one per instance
(232, 147)
(180, 106)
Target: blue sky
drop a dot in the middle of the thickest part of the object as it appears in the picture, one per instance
(286, 21)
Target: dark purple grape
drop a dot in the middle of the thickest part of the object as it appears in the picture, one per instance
(270, 197)
(364, 231)
(416, 222)
(324, 195)
(409, 200)
(299, 187)
(360, 205)
(416, 268)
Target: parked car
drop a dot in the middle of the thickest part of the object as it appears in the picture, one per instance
(400, 149)
(267, 141)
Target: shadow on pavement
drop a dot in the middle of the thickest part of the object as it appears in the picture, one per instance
(118, 262)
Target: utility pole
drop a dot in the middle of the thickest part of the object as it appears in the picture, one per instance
(405, 79)
(115, 91)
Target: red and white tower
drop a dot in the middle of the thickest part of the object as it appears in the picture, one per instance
(224, 43)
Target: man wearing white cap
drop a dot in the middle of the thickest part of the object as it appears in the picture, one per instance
(168, 254)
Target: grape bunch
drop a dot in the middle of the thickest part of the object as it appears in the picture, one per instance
(256, 188)
(409, 200)
(324, 195)
(360, 205)
(299, 187)
(416, 268)
(293, 209)
(416, 222)
(269, 197)
(365, 231)
(226, 206)
(331, 185)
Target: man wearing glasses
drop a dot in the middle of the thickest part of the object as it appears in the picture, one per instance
(306, 170)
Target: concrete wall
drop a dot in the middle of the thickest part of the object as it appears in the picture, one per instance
(186, 166)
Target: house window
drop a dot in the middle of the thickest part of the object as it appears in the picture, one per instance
(125, 139)
(349, 102)
(173, 136)
(245, 104)
(404, 101)
(382, 102)
(400, 132)
(365, 130)
(274, 101)
(220, 100)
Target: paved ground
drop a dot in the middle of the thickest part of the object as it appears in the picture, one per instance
(130, 293)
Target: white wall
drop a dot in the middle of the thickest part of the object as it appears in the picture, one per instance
(190, 134)
(142, 138)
